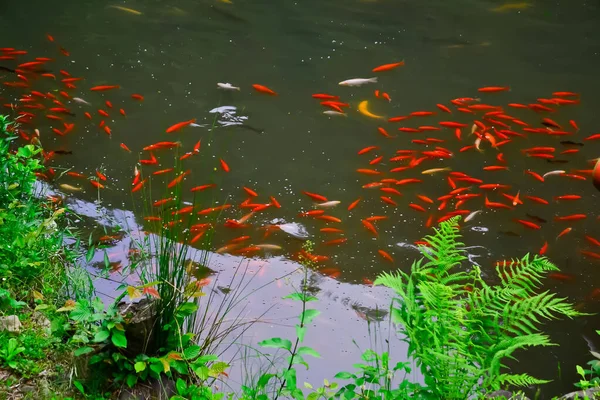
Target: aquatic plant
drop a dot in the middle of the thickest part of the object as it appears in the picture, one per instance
(460, 329)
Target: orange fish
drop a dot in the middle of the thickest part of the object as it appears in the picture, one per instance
(97, 184)
(388, 200)
(385, 255)
(543, 249)
(203, 187)
(370, 227)
(274, 202)
(331, 230)
(493, 89)
(162, 145)
(162, 171)
(180, 125)
(224, 165)
(572, 217)
(328, 218)
(100, 175)
(138, 186)
(178, 179)
(137, 97)
(104, 87)
(336, 241)
(315, 196)
(564, 232)
(354, 204)
(528, 224)
(264, 89)
(387, 67)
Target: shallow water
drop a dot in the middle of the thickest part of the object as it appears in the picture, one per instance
(176, 52)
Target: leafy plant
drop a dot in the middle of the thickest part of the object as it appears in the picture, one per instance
(9, 352)
(459, 328)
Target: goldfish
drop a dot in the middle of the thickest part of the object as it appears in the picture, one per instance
(103, 88)
(512, 6)
(354, 204)
(564, 232)
(263, 89)
(493, 89)
(126, 9)
(162, 145)
(572, 217)
(363, 109)
(180, 125)
(387, 67)
(528, 224)
(385, 255)
(315, 196)
(367, 149)
(358, 81)
(435, 170)
(70, 188)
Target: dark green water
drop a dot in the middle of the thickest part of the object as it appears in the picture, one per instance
(175, 52)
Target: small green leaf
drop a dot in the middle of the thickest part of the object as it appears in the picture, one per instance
(106, 260)
(202, 372)
(118, 338)
(206, 358)
(297, 296)
(308, 351)
(101, 336)
(308, 385)
(186, 309)
(277, 343)
(79, 386)
(181, 386)
(190, 353)
(300, 332)
(264, 380)
(580, 370)
(344, 375)
(90, 254)
(309, 315)
(290, 379)
(131, 380)
(82, 350)
(217, 369)
(139, 366)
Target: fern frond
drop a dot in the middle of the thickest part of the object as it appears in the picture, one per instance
(519, 317)
(519, 380)
(394, 281)
(506, 347)
(525, 273)
(444, 250)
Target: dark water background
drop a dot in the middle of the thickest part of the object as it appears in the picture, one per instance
(176, 52)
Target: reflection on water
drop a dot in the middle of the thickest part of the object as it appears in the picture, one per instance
(174, 53)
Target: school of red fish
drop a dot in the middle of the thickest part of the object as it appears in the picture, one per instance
(403, 151)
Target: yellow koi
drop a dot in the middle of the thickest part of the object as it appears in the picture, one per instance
(129, 10)
(362, 108)
(435, 170)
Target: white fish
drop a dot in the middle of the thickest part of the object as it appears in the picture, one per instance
(477, 143)
(227, 86)
(295, 229)
(81, 101)
(472, 215)
(358, 81)
(557, 172)
(328, 204)
(335, 113)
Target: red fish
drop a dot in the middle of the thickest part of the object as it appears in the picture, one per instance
(180, 125)
(138, 186)
(572, 217)
(264, 89)
(162, 145)
(323, 96)
(491, 204)
(493, 89)
(537, 200)
(385, 255)
(178, 179)
(202, 187)
(567, 197)
(421, 113)
(388, 200)
(452, 124)
(528, 224)
(564, 232)
(104, 88)
(274, 202)
(593, 241)
(387, 67)
(543, 249)
(224, 165)
(443, 108)
(162, 171)
(354, 204)
(137, 97)
(417, 207)
(315, 196)
(367, 149)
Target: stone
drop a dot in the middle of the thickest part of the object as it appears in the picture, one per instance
(40, 320)
(505, 395)
(10, 323)
(593, 393)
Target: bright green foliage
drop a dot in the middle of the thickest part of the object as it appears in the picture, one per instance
(30, 242)
(459, 328)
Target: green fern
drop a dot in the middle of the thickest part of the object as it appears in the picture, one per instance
(459, 328)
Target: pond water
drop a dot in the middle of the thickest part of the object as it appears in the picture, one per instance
(175, 52)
